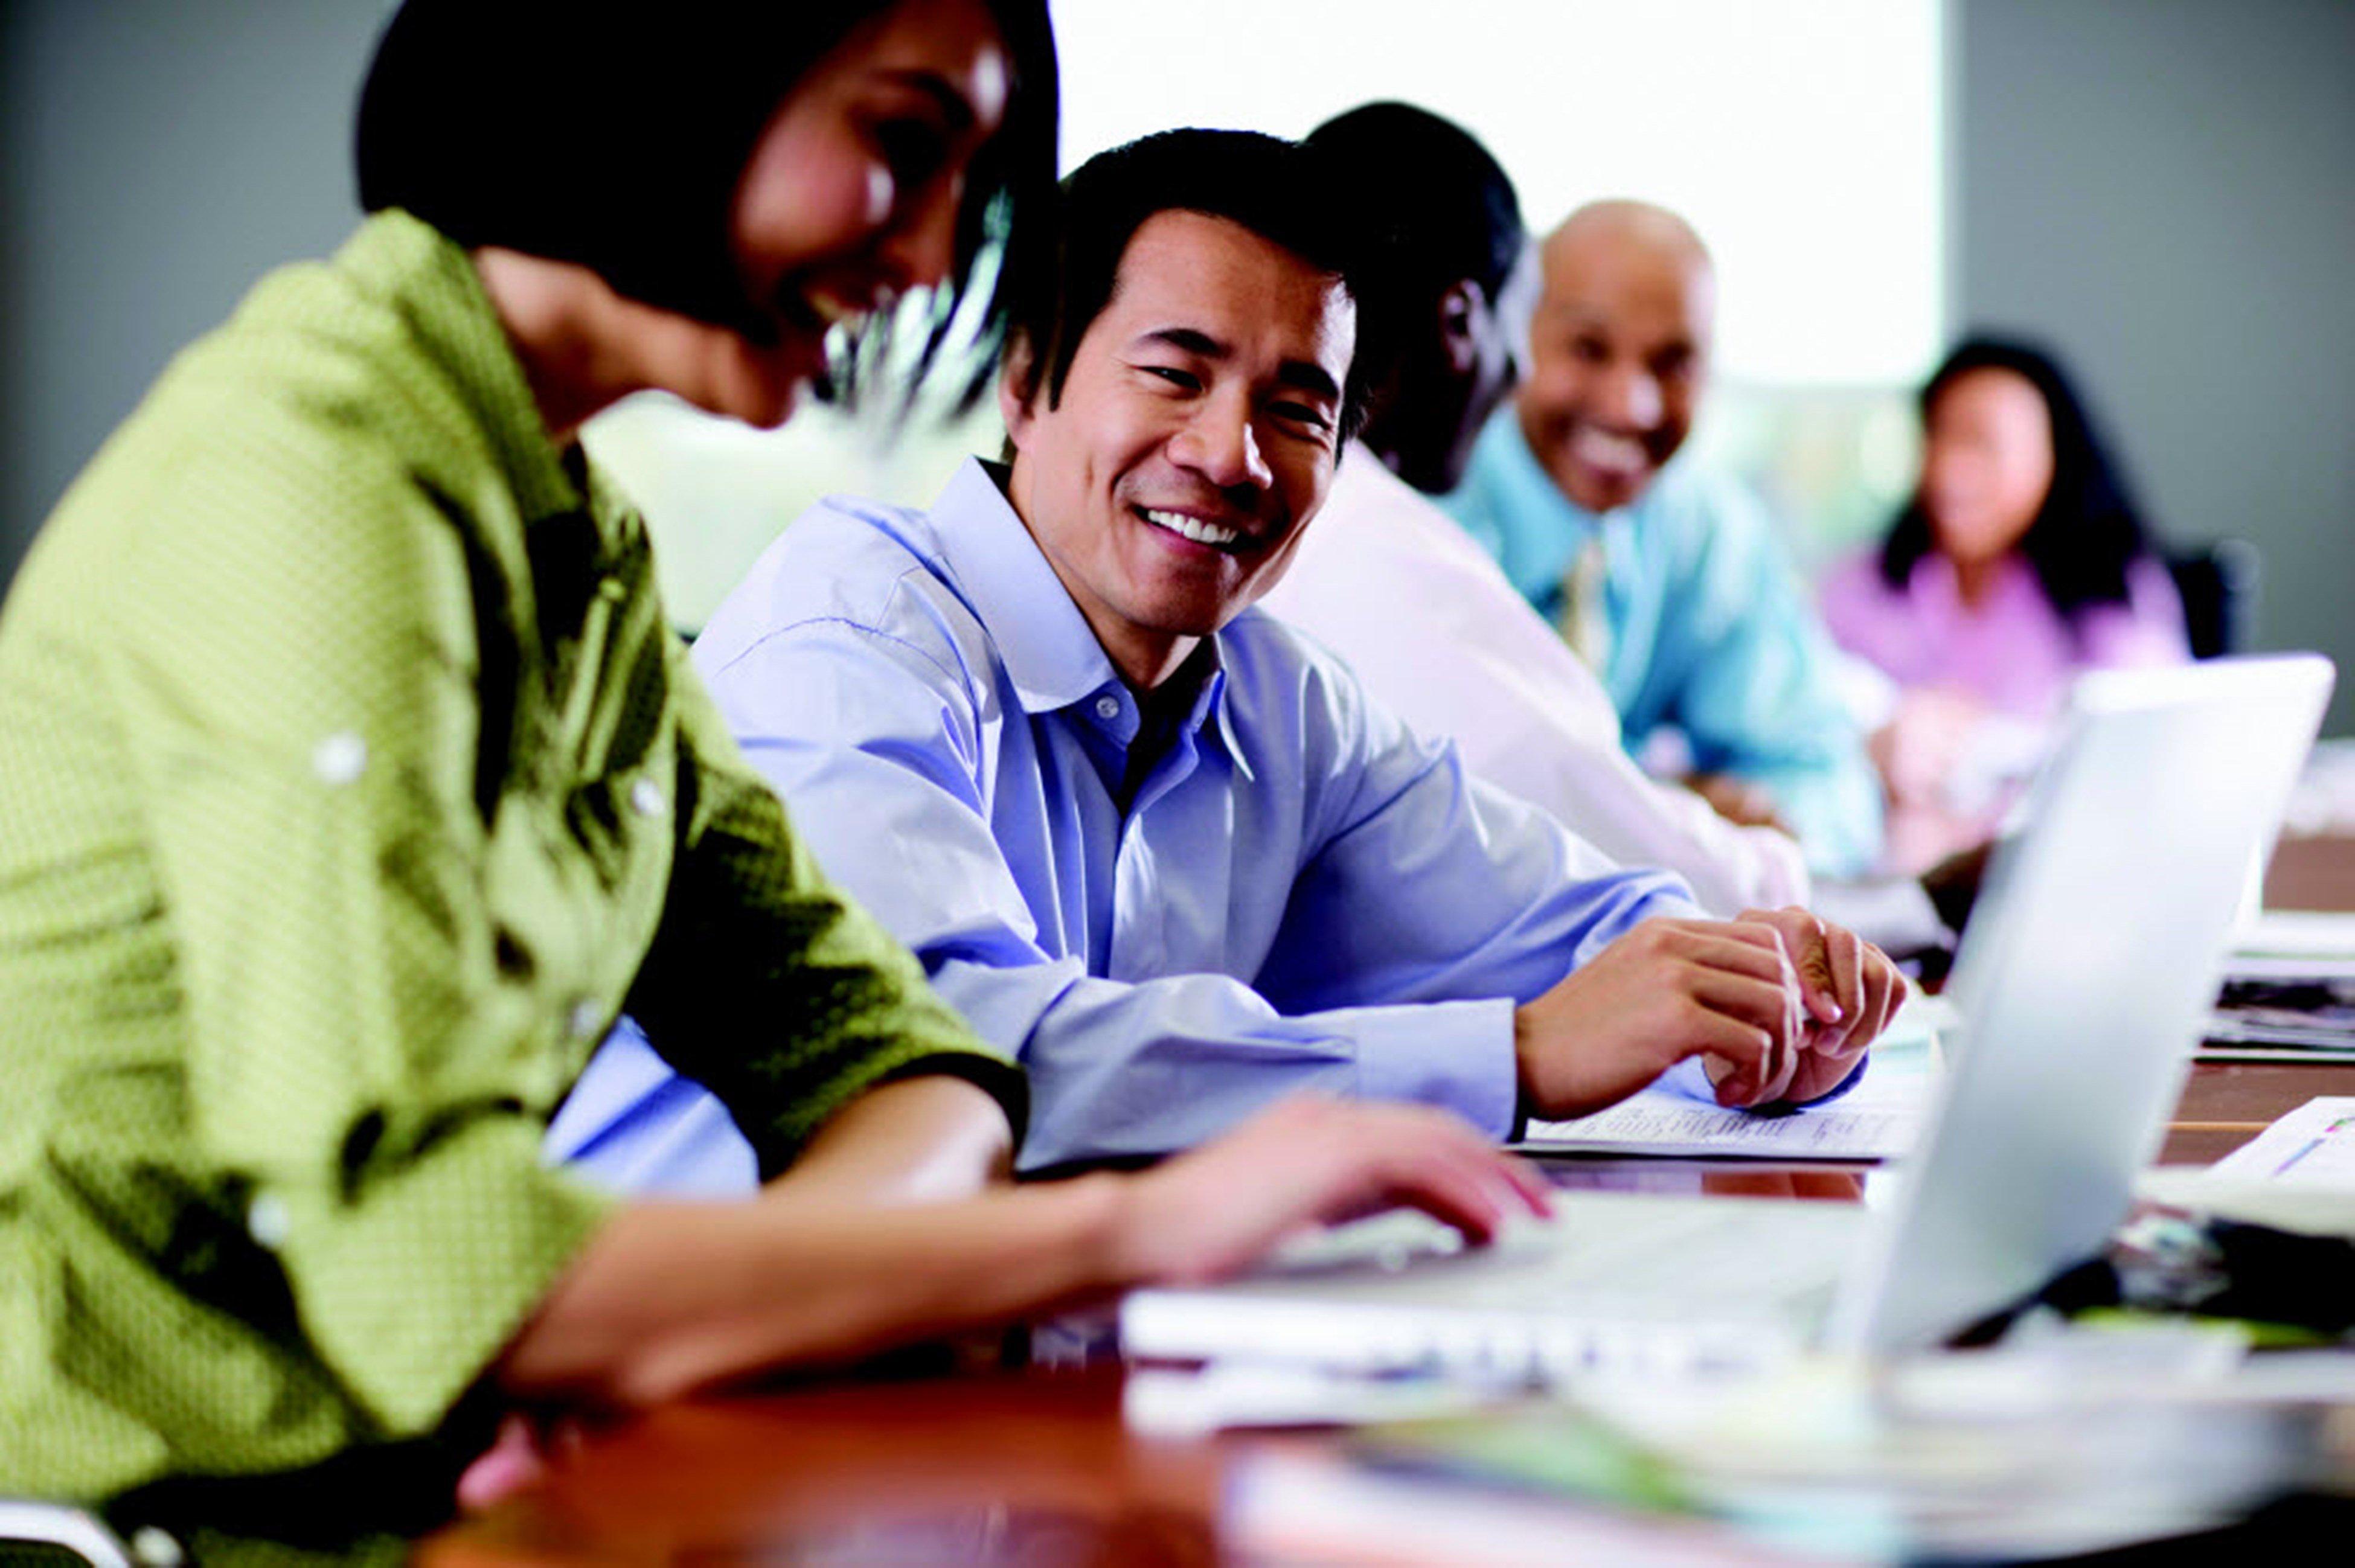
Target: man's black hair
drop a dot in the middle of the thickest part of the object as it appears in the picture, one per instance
(1440, 213)
(615, 138)
(1442, 208)
(1282, 191)
(2087, 531)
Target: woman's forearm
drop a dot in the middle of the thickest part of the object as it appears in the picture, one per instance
(671, 1297)
(913, 1140)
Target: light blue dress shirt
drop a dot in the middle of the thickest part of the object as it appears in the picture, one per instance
(1301, 895)
(1711, 632)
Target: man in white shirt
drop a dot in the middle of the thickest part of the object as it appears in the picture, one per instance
(1421, 611)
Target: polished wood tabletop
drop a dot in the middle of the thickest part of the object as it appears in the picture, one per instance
(1001, 1468)
(1037, 1468)
(2312, 873)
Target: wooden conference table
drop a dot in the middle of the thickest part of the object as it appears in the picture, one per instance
(1037, 1468)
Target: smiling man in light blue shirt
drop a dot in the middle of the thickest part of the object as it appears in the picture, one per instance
(1150, 840)
(1691, 615)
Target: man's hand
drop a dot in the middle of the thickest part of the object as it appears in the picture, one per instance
(1851, 991)
(1737, 800)
(1667, 990)
(1780, 1006)
(1308, 1160)
(1925, 743)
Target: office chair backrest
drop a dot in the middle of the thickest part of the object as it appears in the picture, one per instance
(2219, 584)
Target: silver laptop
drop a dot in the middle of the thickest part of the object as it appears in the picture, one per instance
(2080, 987)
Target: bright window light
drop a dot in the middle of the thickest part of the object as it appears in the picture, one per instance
(1801, 137)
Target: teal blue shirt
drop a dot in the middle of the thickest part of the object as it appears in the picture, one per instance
(1711, 632)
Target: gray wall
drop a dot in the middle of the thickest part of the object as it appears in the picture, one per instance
(160, 156)
(2165, 190)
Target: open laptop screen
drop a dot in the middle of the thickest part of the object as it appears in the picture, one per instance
(2081, 983)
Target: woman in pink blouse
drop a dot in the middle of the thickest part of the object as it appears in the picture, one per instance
(2019, 562)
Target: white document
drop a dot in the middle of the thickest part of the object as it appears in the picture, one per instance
(2314, 1146)
(2296, 1175)
(1879, 1119)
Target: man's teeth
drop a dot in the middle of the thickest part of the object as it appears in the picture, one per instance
(1194, 528)
(836, 313)
(836, 310)
(1606, 450)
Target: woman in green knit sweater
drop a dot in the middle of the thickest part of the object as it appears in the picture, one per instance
(350, 786)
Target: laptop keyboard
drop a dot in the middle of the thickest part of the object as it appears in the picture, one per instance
(1611, 1281)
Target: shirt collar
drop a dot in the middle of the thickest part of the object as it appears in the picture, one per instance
(1050, 651)
(1362, 479)
(1206, 666)
(1934, 576)
(1213, 703)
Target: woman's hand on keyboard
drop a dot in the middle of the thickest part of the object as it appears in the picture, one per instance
(1310, 1160)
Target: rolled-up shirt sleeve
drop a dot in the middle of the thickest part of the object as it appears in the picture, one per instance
(1128, 1066)
(768, 985)
(364, 1087)
(1433, 903)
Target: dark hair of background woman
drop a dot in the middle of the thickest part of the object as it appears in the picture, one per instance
(615, 137)
(2086, 533)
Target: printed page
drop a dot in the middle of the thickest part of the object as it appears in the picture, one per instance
(2296, 1175)
(2314, 1146)
(1879, 1119)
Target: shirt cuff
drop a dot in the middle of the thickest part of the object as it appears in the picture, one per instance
(1691, 1079)
(1855, 1076)
(1458, 1055)
(409, 1286)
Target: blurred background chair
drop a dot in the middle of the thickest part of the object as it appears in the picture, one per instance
(2219, 584)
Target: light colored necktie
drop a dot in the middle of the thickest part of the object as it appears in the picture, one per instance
(1584, 622)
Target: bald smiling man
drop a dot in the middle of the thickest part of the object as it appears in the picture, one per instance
(1668, 580)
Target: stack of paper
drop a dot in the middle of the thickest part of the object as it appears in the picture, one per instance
(2288, 991)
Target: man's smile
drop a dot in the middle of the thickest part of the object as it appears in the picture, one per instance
(1224, 536)
(1609, 450)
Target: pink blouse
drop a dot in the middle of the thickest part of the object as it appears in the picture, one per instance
(2013, 650)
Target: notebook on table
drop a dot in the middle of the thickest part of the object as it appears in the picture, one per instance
(2080, 987)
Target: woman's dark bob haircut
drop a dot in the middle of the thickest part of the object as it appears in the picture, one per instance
(2087, 532)
(615, 137)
